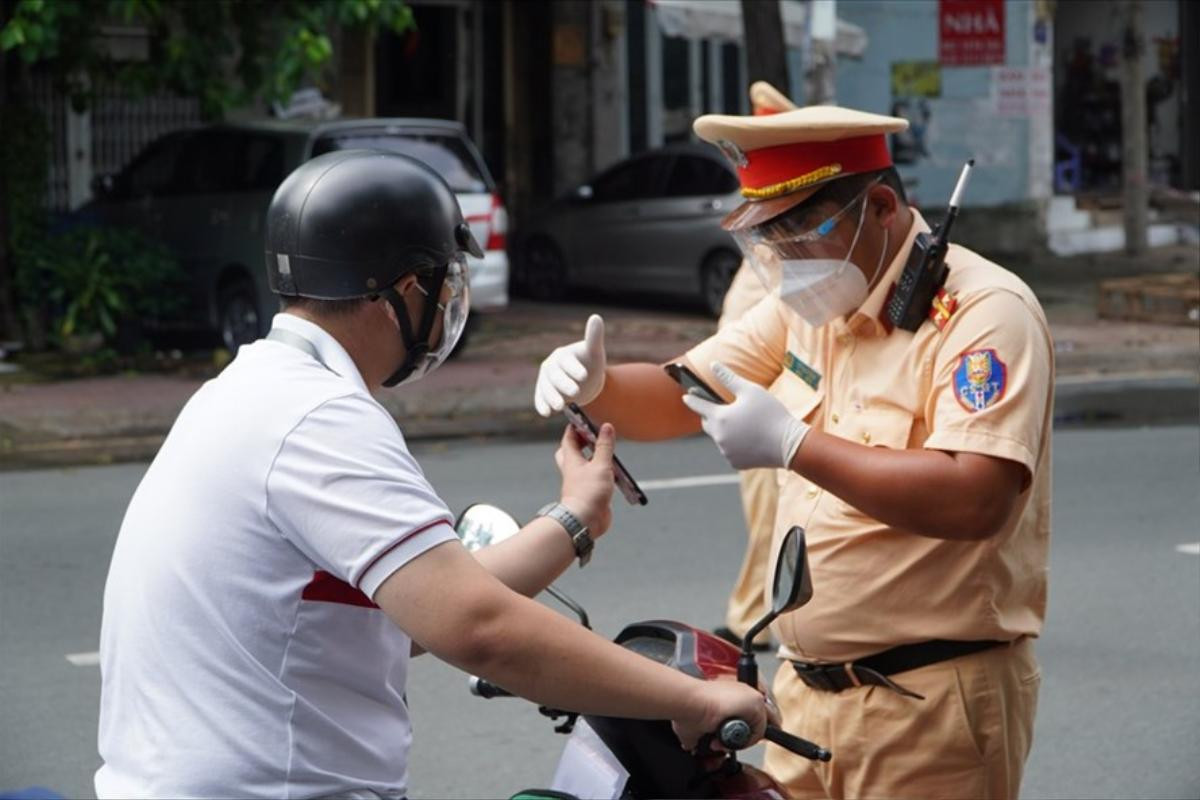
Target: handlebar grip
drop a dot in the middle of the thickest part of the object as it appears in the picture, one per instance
(801, 747)
(735, 734)
(485, 689)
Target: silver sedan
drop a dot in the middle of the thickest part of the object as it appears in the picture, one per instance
(649, 224)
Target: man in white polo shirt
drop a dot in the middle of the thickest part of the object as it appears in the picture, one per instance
(284, 552)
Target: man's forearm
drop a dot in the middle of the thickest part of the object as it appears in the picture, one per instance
(643, 403)
(562, 665)
(453, 608)
(960, 496)
(531, 560)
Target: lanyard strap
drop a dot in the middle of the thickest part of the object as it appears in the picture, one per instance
(297, 341)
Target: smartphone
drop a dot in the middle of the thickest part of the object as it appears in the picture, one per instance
(690, 380)
(588, 430)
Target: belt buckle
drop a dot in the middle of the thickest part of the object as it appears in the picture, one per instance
(816, 676)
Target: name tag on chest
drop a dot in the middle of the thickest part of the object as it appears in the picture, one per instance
(801, 370)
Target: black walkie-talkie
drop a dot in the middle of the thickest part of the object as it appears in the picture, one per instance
(925, 272)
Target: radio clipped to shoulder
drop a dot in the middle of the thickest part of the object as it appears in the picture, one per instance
(925, 272)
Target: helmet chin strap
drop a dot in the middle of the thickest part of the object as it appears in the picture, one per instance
(416, 346)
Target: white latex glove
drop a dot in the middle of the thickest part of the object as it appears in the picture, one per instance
(574, 373)
(755, 430)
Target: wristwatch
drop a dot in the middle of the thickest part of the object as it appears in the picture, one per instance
(581, 540)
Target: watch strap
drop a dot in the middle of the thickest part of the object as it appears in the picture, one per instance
(581, 540)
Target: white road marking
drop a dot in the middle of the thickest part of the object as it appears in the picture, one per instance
(1191, 548)
(84, 659)
(688, 483)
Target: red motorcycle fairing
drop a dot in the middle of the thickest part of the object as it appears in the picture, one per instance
(690, 650)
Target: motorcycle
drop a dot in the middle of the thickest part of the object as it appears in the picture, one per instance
(616, 758)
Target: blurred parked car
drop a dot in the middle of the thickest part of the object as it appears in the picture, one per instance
(648, 224)
(204, 193)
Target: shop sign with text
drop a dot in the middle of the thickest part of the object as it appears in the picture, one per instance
(970, 32)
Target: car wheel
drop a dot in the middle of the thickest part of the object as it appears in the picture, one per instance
(543, 270)
(237, 315)
(716, 274)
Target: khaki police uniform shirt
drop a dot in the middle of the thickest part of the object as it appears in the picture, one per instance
(744, 293)
(981, 384)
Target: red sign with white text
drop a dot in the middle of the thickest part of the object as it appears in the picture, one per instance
(970, 32)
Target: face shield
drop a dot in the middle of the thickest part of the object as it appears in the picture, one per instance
(809, 267)
(778, 249)
(425, 353)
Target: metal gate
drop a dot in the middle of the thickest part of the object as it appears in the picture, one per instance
(117, 125)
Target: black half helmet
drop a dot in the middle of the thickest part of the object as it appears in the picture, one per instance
(351, 223)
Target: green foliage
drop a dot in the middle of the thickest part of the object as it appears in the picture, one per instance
(92, 279)
(226, 53)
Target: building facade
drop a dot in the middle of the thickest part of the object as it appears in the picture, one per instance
(553, 91)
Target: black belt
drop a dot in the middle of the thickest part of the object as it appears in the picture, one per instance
(873, 670)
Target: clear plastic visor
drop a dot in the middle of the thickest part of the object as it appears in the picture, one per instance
(792, 240)
(454, 303)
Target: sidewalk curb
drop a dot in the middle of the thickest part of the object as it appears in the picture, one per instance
(49, 453)
(1127, 399)
(1086, 400)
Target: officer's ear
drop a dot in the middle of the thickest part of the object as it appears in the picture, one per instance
(883, 204)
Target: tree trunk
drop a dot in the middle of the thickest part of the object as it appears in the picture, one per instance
(1135, 152)
(10, 323)
(766, 53)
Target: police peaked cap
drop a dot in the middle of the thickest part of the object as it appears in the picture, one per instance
(351, 223)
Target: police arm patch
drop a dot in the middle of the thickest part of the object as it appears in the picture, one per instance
(980, 379)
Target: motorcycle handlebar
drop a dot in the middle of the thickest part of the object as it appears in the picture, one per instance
(801, 747)
(735, 734)
(485, 689)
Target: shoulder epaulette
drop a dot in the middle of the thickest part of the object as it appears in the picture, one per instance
(943, 307)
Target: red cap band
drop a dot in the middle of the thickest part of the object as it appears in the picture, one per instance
(774, 171)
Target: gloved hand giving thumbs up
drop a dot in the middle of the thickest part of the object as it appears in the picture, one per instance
(573, 373)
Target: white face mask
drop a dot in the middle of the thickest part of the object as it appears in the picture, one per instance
(822, 289)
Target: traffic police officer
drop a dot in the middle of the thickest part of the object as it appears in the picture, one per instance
(918, 462)
(760, 492)
(284, 545)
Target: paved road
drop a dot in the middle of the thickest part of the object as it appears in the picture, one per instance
(1120, 709)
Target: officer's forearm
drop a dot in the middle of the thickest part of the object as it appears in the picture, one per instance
(960, 496)
(643, 403)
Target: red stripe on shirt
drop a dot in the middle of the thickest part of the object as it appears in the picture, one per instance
(326, 588)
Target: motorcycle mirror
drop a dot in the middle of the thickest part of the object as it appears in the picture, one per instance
(792, 587)
(481, 524)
